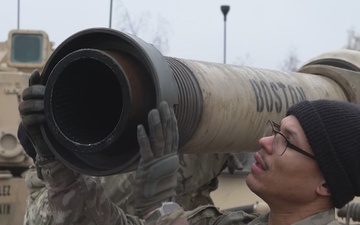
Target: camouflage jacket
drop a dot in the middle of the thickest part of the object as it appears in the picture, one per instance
(210, 215)
(193, 189)
(71, 198)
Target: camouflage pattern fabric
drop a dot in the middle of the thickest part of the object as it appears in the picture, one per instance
(78, 199)
(120, 189)
(71, 198)
(193, 187)
(210, 215)
(197, 177)
(38, 211)
(326, 218)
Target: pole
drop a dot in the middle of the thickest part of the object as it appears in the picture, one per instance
(225, 9)
(110, 17)
(18, 15)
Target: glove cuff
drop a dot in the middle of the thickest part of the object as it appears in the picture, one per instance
(40, 161)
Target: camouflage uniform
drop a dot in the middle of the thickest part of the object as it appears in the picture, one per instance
(210, 215)
(77, 199)
(193, 188)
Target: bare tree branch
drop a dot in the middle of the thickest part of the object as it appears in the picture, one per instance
(292, 61)
(144, 27)
(353, 42)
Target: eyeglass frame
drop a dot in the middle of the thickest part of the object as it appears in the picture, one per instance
(288, 143)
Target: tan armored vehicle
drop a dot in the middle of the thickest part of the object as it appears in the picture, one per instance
(24, 51)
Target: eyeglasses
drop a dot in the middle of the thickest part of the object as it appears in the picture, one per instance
(280, 142)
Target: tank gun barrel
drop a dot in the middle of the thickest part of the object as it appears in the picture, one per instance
(101, 83)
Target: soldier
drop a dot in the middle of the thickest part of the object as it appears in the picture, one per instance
(308, 165)
(193, 188)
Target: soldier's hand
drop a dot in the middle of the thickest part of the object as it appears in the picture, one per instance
(155, 180)
(32, 116)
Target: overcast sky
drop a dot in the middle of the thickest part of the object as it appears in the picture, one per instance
(260, 33)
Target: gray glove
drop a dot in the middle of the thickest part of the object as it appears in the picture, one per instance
(32, 117)
(155, 180)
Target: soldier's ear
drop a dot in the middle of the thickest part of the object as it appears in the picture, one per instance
(323, 190)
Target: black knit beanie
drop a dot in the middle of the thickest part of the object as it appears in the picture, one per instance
(333, 131)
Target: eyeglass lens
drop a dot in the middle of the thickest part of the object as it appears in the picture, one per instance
(279, 143)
